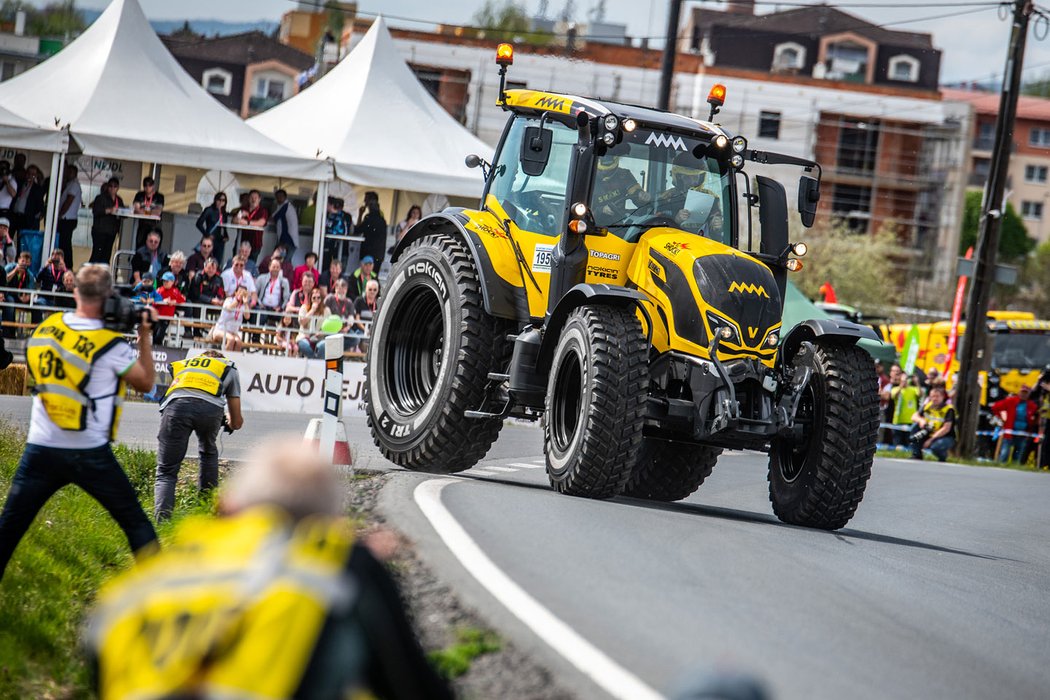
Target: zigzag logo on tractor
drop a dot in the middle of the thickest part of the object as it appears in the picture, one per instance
(550, 103)
(665, 140)
(756, 289)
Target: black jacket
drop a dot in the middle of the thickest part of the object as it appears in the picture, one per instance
(208, 223)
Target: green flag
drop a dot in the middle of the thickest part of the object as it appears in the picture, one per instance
(910, 351)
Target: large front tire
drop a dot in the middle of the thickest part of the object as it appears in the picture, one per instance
(670, 471)
(819, 481)
(431, 349)
(595, 408)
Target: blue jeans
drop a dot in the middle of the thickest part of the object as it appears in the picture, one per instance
(1017, 443)
(939, 447)
(311, 351)
(44, 470)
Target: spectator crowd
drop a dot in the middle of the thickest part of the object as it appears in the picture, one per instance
(917, 414)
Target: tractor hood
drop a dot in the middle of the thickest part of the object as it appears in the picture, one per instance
(708, 285)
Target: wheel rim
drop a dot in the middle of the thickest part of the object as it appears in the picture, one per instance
(793, 455)
(415, 352)
(565, 404)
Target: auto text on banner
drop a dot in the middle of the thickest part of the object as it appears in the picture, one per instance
(292, 385)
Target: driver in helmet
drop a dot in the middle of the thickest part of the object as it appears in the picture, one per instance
(613, 186)
(689, 174)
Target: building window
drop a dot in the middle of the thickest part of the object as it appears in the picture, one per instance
(904, 68)
(7, 70)
(852, 204)
(847, 60)
(1039, 137)
(430, 79)
(985, 138)
(858, 146)
(1032, 210)
(769, 125)
(789, 56)
(217, 81)
(1035, 173)
(271, 88)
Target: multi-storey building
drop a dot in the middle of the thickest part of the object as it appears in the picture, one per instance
(1028, 186)
(891, 148)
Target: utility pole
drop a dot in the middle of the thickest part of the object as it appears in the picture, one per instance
(971, 359)
(674, 13)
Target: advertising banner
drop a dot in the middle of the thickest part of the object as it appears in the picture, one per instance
(292, 385)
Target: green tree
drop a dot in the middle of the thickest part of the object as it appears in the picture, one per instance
(865, 271)
(1014, 243)
(507, 18)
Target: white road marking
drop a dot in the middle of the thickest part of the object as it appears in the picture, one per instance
(482, 471)
(606, 673)
(499, 469)
(525, 465)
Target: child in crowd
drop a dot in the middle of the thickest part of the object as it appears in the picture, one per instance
(170, 298)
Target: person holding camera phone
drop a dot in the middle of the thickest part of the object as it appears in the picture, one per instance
(80, 364)
(200, 389)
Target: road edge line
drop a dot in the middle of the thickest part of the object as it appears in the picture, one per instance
(592, 662)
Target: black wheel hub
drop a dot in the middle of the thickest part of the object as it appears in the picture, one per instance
(565, 404)
(794, 453)
(414, 353)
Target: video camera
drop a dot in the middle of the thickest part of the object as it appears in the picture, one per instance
(121, 314)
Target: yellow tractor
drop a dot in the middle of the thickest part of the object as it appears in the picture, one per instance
(602, 287)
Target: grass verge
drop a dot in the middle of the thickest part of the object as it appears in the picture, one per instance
(455, 660)
(898, 454)
(69, 550)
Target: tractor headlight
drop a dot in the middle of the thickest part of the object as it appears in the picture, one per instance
(629, 125)
(611, 122)
(721, 141)
(737, 161)
(772, 339)
(800, 249)
(609, 138)
(739, 144)
(723, 328)
(579, 209)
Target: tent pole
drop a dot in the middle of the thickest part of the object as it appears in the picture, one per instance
(51, 215)
(320, 212)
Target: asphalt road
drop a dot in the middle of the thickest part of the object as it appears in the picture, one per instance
(939, 587)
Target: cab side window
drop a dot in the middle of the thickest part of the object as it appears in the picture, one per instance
(535, 203)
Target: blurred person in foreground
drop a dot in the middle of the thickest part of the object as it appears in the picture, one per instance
(202, 389)
(79, 370)
(273, 599)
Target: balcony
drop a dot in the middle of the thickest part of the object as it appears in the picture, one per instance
(983, 143)
(257, 105)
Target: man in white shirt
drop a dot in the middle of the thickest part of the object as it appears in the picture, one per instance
(70, 202)
(8, 186)
(79, 369)
(238, 276)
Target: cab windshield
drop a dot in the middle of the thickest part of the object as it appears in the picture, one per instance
(654, 178)
(1020, 350)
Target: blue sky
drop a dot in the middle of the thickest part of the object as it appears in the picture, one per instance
(974, 44)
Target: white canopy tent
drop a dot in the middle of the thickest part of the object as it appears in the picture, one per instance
(122, 95)
(379, 124)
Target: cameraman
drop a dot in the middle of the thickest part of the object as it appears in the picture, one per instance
(934, 428)
(194, 402)
(79, 368)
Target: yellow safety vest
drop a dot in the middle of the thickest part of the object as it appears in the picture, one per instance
(936, 416)
(59, 359)
(233, 608)
(201, 373)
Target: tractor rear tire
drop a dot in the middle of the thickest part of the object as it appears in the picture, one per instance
(595, 406)
(819, 481)
(670, 471)
(431, 349)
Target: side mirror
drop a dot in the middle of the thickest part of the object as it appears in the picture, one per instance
(773, 220)
(536, 150)
(808, 196)
(473, 161)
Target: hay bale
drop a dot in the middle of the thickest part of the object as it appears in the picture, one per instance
(13, 380)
